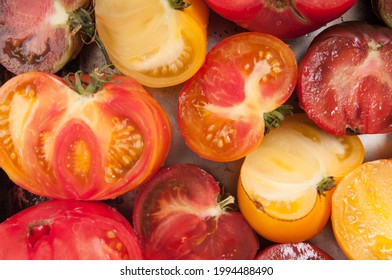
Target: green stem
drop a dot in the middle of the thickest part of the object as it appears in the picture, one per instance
(325, 185)
(179, 4)
(97, 79)
(274, 118)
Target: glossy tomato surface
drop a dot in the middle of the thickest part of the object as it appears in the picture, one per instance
(180, 214)
(293, 251)
(157, 42)
(38, 37)
(61, 144)
(284, 19)
(68, 230)
(221, 109)
(345, 79)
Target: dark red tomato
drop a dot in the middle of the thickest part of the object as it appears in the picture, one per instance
(68, 229)
(284, 19)
(39, 36)
(221, 109)
(179, 214)
(293, 251)
(345, 79)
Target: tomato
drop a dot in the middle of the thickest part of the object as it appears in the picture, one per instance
(361, 211)
(40, 37)
(383, 9)
(284, 19)
(344, 79)
(285, 185)
(293, 251)
(180, 214)
(221, 109)
(160, 43)
(68, 230)
(61, 144)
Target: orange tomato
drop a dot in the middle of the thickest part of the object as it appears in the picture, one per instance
(362, 211)
(151, 40)
(285, 186)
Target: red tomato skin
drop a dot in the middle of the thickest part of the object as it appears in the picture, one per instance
(68, 230)
(173, 218)
(286, 21)
(122, 98)
(293, 251)
(343, 82)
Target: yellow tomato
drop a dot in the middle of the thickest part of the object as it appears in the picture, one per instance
(286, 184)
(362, 211)
(152, 41)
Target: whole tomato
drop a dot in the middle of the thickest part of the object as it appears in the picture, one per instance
(58, 143)
(68, 229)
(284, 19)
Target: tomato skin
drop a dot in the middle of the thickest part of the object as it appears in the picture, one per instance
(293, 251)
(92, 147)
(284, 19)
(358, 100)
(221, 108)
(383, 9)
(68, 230)
(177, 216)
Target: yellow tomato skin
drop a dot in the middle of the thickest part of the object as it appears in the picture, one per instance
(283, 231)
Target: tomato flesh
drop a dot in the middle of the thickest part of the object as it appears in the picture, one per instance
(177, 216)
(357, 100)
(221, 109)
(293, 251)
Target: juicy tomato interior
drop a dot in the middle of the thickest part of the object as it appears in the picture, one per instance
(361, 208)
(151, 41)
(177, 215)
(279, 182)
(221, 109)
(357, 101)
(68, 229)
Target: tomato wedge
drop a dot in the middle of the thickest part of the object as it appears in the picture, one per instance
(221, 109)
(293, 251)
(179, 214)
(157, 42)
(61, 144)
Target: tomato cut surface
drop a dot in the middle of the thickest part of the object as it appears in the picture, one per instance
(152, 41)
(221, 108)
(345, 79)
(178, 215)
(293, 251)
(286, 184)
(68, 230)
(61, 144)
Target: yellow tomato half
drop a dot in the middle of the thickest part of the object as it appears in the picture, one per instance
(285, 185)
(152, 41)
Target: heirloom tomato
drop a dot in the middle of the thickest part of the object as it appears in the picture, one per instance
(293, 251)
(383, 9)
(181, 214)
(284, 19)
(362, 211)
(42, 36)
(221, 109)
(61, 144)
(68, 229)
(160, 43)
(345, 78)
(285, 186)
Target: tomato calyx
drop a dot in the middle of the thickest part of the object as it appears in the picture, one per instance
(78, 82)
(179, 4)
(325, 185)
(282, 5)
(274, 118)
(226, 202)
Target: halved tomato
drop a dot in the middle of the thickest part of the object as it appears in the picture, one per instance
(293, 251)
(286, 184)
(68, 230)
(221, 109)
(160, 43)
(61, 144)
(181, 214)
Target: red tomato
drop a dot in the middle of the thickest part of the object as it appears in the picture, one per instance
(221, 109)
(284, 19)
(345, 79)
(179, 214)
(68, 229)
(293, 251)
(61, 144)
(39, 37)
